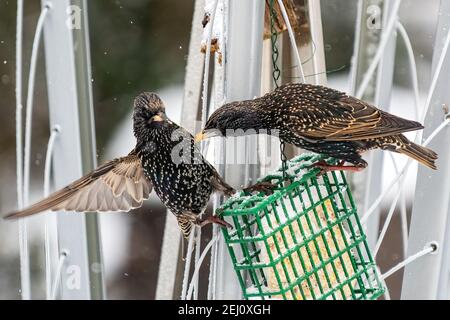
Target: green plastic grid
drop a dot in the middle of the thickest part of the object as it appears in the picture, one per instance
(304, 241)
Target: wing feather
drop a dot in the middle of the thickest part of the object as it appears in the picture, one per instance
(118, 185)
(318, 112)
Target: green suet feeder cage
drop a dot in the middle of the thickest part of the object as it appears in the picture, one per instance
(304, 241)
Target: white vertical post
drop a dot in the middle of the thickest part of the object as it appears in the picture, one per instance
(317, 46)
(70, 103)
(365, 41)
(383, 90)
(428, 277)
(242, 81)
(373, 16)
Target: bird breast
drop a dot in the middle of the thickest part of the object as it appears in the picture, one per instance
(180, 186)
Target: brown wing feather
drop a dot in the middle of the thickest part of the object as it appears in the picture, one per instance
(369, 122)
(118, 185)
(319, 112)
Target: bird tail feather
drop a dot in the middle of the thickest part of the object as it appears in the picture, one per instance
(424, 155)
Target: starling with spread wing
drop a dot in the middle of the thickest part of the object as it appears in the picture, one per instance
(165, 159)
(322, 120)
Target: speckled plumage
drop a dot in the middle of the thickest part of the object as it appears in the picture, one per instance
(183, 186)
(322, 120)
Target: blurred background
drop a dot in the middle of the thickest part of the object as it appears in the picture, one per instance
(142, 45)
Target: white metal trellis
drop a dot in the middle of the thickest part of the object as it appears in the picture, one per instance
(435, 130)
(428, 278)
(426, 274)
(70, 102)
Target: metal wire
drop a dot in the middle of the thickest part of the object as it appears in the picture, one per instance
(403, 213)
(292, 38)
(388, 218)
(23, 232)
(19, 107)
(283, 158)
(197, 268)
(427, 250)
(213, 264)
(412, 65)
(47, 242)
(57, 279)
(187, 266)
(30, 95)
(276, 74)
(197, 262)
(48, 158)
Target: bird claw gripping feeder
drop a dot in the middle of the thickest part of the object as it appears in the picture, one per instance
(304, 241)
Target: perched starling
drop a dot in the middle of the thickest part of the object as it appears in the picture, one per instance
(165, 158)
(321, 120)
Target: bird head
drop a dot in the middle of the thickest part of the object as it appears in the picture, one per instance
(232, 119)
(149, 114)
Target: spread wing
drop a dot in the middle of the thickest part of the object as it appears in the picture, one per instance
(118, 185)
(319, 112)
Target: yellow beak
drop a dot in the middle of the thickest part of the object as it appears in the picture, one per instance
(200, 136)
(158, 118)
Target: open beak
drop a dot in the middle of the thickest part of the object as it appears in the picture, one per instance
(206, 134)
(159, 117)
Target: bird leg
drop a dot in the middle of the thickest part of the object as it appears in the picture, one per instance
(264, 186)
(325, 167)
(219, 184)
(212, 219)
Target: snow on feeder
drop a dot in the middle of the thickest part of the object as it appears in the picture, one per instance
(304, 241)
